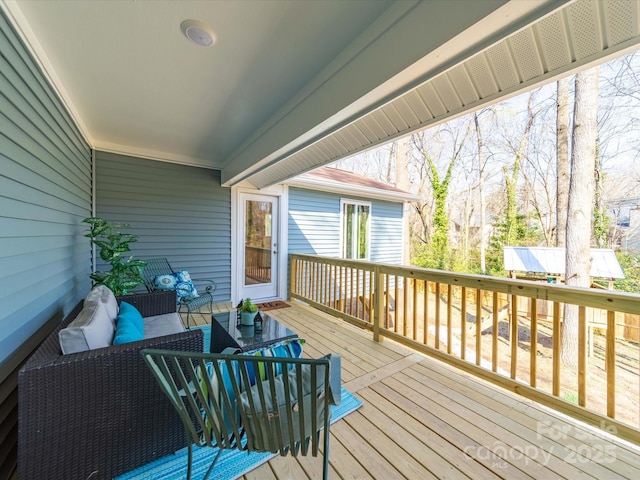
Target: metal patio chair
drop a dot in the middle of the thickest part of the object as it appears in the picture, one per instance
(223, 405)
(193, 300)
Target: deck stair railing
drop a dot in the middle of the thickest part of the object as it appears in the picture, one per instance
(504, 330)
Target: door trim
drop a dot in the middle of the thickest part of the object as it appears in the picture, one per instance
(237, 275)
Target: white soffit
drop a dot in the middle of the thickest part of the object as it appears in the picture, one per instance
(583, 33)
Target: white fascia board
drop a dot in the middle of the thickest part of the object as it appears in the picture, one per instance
(355, 190)
(413, 41)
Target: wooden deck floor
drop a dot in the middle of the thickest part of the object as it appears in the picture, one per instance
(422, 419)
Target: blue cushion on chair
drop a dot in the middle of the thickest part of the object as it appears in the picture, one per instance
(291, 348)
(178, 281)
(129, 326)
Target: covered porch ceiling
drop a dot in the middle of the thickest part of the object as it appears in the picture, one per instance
(292, 85)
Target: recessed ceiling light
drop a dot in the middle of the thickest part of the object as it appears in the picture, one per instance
(198, 32)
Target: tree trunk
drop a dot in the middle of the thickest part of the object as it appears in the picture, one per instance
(580, 209)
(483, 202)
(562, 140)
(403, 183)
(600, 216)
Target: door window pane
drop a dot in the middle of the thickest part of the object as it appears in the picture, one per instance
(257, 242)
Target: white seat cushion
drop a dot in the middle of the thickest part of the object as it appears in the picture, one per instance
(165, 324)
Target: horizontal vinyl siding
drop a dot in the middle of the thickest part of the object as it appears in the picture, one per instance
(386, 232)
(45, 192)
(314, 222)
(178, 212)
(314, 225)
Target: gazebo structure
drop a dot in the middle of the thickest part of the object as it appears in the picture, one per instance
(548, 263)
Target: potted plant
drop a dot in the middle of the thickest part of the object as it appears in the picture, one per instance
(247, 311)
(125, 273)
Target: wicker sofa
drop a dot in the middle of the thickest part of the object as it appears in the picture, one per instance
(98, 413)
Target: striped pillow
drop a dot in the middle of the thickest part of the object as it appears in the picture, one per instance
(291, 348)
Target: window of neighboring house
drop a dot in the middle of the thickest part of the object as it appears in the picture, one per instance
(355, 229)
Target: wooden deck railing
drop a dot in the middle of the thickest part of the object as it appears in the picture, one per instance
(257, 262)
(504, 330)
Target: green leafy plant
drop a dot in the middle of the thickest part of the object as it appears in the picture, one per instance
(125, 273)
(248, 306)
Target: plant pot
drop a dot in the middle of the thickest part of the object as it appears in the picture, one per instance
(246, 318)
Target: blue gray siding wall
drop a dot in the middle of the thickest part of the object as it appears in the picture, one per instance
(314, 222)
(386, 232)
(177, 211)
(45, 192)
(314, 225)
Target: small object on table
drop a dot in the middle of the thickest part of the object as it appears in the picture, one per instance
(226, 331)
(257, 322)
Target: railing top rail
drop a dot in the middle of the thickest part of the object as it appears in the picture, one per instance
(588, 297)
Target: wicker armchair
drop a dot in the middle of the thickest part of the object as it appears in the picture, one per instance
(98, 413)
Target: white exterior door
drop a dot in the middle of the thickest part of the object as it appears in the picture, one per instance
(258, 251)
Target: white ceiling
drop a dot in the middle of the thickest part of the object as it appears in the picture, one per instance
(291, 85)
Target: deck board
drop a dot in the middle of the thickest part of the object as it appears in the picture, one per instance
(424, 419)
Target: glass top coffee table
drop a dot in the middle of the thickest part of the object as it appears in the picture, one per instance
(226, 331)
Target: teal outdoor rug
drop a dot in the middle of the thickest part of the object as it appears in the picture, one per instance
(232, 464)
(206, 330)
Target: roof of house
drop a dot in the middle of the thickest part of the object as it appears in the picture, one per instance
(551, 260)
(334, 180)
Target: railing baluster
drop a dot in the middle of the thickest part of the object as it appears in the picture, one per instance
(610, 356)
(463, 324)
(321, 282)
(449, 317)
(582, 356)
(478, 326)
(397, 297)
(513, 334)
(327, 283)
(334, 286)
(379, 315)
(426, 312)
(437, 325)
(357, 295)
(405, 306)
(341, 294)
(414, 282)
(351, 269)
(387, 306)
(533, 350)
(494, 334)
(555, 389)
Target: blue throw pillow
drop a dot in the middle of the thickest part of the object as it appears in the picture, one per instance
(291, 348)
(178, 281)
(129, 326)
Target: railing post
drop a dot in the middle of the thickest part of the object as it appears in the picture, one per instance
(293, 271)
(378, 307)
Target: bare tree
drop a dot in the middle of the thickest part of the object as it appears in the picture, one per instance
(581, 197)
(401, 164)
(483, 201)
(439, 255)
(562, 153)
(519, 150)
